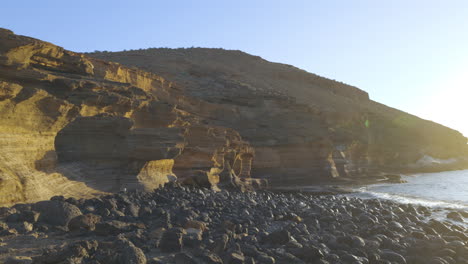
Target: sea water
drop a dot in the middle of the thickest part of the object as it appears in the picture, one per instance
(443, 192)
(448, 190)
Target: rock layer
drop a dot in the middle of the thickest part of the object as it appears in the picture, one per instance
(77, 126)
(304, 127)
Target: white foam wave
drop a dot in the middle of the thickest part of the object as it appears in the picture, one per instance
(406, 199)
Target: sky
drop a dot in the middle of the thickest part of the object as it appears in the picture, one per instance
(410, 55)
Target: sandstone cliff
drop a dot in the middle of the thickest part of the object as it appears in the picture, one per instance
(303, 127)
(77, 124)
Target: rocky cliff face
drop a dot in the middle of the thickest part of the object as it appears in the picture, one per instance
(303, 127)
(76, 124)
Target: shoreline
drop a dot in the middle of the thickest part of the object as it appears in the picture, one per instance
(177, 224)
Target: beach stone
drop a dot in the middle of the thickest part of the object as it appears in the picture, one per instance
(219, 245)
(195, 224)
(156, 233)
(111, 227)
(56, 212)
(460, 235)
(5, 211)
(75, 251)
(12, 218)
(132, 210)
(265, 259)
(29, 216)
(349, 258)
(22, 227)
(393, 257)
(437, 260)
(351, 241)
(456, 216)
(84, 222)
(8, 232)
(236, 258)
(172, 240)
(145, 212)
(183, 258)
(447, 252)
(292, 217)
(3, 226)
(430, 231)
(464, 213)
(208, 257)
(18, 260)
(357, 242)
(367, 219)
(280, 237)
(419, 235)
(438, 226)
(309, 254)
(129, 253)
(193, 237)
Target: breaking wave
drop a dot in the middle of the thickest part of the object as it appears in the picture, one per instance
(438, 190)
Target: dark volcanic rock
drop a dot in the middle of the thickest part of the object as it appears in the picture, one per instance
(393, 257)
(112, 227)
(171, 240)
(129, 253)
(280, 237)
(84, 222)
(183, 258)
(455, 216)
(56, 212)
(209, 226)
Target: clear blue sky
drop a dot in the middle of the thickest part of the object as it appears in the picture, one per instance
(408, 54)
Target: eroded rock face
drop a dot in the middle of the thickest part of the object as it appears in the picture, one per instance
(304, 127)
(77, 126)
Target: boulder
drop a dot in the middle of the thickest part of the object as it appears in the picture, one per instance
(279, 237)
(172, 240)
(455, 216)
(195, 224)
(84, 222)
(56, 212)
(111, 227)
(392, 257)
(184, 258)
(129, 253)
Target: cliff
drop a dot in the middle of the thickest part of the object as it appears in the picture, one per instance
(78, 125)
(303, 127)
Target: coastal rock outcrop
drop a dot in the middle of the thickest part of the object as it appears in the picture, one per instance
(304, 128)
(78, 126)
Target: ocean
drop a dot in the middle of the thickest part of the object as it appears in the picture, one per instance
(448, 190)
(443, 192)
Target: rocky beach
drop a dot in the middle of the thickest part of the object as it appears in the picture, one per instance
(180, 224)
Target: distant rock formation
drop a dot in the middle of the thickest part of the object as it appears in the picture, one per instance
(78, 125)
